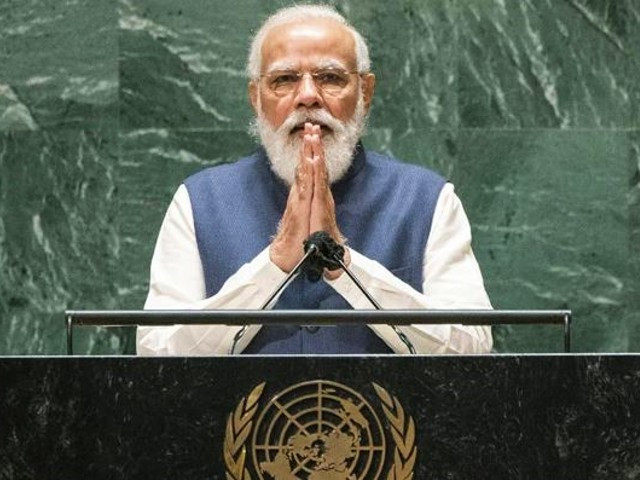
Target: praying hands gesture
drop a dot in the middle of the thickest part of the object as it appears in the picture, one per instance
(310, 207)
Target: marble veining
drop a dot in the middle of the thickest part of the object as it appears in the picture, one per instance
(530, 107)
(524, 64)
(59, 64)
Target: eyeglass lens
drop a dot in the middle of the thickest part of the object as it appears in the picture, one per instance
(330, 81)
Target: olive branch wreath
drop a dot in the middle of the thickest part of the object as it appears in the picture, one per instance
(403, 430)
(238, 429)
(240, 422)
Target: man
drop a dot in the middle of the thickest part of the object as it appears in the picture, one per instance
(233, 232)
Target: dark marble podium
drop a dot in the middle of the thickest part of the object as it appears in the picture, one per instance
(465, 417)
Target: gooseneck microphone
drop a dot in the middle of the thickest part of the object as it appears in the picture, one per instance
(320, 252)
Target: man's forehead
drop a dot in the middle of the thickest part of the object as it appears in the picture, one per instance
(325, 42)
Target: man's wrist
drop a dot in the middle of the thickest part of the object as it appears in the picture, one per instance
(281, 256)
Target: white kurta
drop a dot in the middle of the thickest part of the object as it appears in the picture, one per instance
(452, 280)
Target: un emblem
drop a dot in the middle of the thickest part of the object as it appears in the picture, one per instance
(318, 430)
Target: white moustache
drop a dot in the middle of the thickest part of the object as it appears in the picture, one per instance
(318, 117)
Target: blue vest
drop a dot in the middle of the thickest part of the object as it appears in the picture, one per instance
(383, 207)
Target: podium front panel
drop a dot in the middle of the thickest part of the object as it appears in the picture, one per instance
(298, 417)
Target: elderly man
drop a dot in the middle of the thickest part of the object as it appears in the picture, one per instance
(233, 232)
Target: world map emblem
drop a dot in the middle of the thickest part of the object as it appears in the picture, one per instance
(319, 430)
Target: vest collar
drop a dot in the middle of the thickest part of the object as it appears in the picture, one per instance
(357, 162)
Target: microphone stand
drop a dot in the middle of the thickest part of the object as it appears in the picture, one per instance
(312, 250)
(377, 306)
(329, 255)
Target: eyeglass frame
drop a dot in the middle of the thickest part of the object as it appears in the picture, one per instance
(300, 75)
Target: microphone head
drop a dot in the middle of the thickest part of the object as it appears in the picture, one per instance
(328, 254)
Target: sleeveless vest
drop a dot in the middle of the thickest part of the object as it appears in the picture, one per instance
(383, 207)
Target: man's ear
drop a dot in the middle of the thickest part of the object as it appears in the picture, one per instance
(368, 87)
(253, 96)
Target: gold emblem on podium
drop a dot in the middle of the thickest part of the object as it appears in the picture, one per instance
(318, 430)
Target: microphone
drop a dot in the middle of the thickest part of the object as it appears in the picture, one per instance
(328, 254)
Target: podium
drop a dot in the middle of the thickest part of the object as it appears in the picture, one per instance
(436, 417)
(329, 417)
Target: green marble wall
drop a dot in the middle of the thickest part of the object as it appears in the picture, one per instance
(530, 107)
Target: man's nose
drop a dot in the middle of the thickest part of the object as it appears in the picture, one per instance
(308, 94)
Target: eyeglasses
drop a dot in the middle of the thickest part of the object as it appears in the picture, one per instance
(331, 81)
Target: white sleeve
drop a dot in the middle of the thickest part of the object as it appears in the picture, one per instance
(451, 280)
(177, 282)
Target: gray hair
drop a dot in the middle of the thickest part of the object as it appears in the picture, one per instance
(299, 13)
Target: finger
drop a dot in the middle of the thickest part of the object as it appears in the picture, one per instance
(316, 145)
(321, 211)
(307, 157)
(303, 182)
(319, 165)
(303, 171)
(307, 146)
(299, 179)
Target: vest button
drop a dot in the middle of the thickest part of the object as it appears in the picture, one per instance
(311, 328)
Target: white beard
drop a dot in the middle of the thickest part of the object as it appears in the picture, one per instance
(284, 149)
